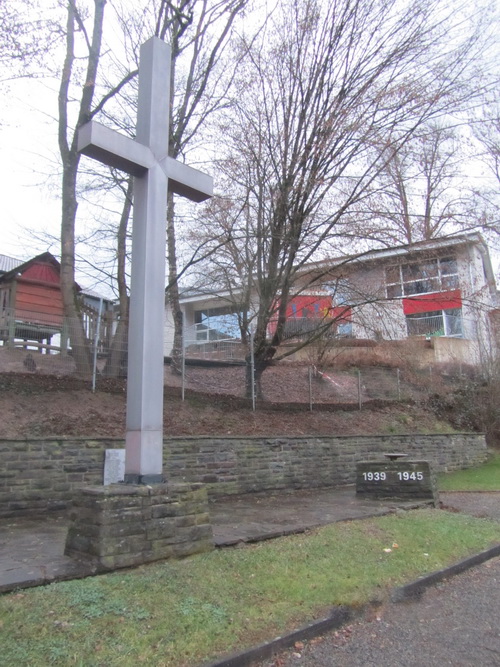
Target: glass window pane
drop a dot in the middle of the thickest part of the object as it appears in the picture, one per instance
(393, 291)
(392, 274)
(410, 271)
(448, 265)
(422, 286)
(430, 269)
(427, 269)
(344, 329)
(453, 320)
(449, 282)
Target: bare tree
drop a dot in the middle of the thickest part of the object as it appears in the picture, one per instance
(486, 131)
(419, 194)
(70, 159)
(317, 91)
(22, 50)
(119, 345)
(198, 32)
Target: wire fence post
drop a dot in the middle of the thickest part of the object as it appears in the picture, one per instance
(183, 365)
(252, 362)
(310, 390)
(96, 343)
(359, 389)
(399, 383)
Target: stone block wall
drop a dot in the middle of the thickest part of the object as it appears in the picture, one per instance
(229, 465)
(123, 526)
(42, 475)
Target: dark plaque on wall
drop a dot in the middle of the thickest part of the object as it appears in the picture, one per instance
(395, 479)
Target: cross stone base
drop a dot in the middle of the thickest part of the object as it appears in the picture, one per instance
(122, 525)
(131, 478)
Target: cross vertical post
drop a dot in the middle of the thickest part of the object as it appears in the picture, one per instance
(155, 173)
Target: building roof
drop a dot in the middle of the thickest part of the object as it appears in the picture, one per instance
(410, 251)
(11, 267)
(8, 263)
(385, 255)
(22, 267)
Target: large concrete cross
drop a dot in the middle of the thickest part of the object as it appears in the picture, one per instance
(146, 158)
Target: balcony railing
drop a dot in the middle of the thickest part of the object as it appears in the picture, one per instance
(437, 325)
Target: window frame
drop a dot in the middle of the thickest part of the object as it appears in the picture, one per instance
(410, 283)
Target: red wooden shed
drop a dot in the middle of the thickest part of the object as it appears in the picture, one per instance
(30, 301)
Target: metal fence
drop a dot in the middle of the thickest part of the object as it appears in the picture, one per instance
(44, 343)
(305, 384)
(49, 344)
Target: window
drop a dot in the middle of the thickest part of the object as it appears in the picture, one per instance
(4, 298)
(433, 275)
(344, 329)
(217, 323)
(436, 323)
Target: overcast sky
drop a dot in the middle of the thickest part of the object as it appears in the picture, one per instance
(29, 169)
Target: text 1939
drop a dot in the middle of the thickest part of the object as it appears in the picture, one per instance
(375, 476)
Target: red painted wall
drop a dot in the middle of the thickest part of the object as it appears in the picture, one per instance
(310, 306)
(38, 303)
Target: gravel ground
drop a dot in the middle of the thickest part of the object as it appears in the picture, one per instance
(484, 504)
(455, 623)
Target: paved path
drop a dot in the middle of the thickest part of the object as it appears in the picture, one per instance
(266, 515)
(476, 504)
(32, 550)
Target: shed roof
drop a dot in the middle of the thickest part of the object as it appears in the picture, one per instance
(22, 267)
(8, 263)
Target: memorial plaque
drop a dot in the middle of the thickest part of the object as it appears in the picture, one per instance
(114, 466)
(398, 480)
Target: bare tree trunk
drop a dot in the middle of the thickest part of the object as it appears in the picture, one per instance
(175, 21)
(79, 343)
(173, 289)
(70, 161)
(118, 351)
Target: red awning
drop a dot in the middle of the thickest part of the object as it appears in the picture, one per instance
(424, 303)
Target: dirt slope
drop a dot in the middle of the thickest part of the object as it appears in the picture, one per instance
(50, 401)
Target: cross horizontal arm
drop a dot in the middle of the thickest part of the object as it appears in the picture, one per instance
(186, 181)
(114, 149)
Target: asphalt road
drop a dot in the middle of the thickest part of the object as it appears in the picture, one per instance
(454, 623)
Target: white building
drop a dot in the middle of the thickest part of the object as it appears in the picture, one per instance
(443, 290)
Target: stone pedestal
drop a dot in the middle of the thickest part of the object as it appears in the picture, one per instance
(396, 480)
(123, 525)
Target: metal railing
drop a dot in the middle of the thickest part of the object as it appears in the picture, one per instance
(303, 327)
(204, 342)
(39, 331)
(436, 325)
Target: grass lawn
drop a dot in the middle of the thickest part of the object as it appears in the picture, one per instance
(483, 478)
(182, 613)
